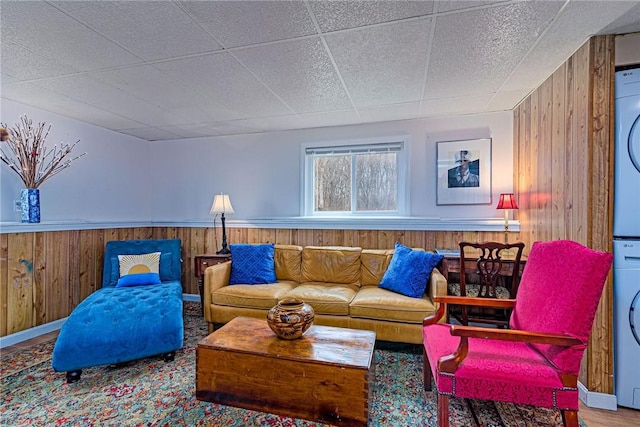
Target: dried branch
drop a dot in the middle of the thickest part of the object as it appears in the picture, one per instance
(26, 154)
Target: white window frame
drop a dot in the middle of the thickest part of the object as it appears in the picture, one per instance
(373, 144)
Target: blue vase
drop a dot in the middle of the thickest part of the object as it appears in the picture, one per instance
(30, 202)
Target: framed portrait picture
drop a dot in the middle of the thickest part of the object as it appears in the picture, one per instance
(463, 172)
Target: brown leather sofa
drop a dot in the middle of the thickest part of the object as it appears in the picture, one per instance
(340, 283)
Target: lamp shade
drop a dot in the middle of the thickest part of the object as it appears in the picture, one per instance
(507, 201)
(221, 204)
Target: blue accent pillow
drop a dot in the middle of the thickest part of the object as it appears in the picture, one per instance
(252, 264)
(141, 279)
(409, 271)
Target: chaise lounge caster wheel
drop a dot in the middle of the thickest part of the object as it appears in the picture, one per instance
(169, 357)
(73, 376)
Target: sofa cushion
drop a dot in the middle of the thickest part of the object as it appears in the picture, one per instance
(331, 265)
(288, 260)
(380, 304)
(252, 296)
(374, 263)
(252, 264)
(409, 271)
(325, 298)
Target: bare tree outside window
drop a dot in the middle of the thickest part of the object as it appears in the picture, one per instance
(376, 182)
(332, 183)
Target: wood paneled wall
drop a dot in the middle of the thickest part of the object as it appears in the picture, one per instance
(45, 275)
(563, 174)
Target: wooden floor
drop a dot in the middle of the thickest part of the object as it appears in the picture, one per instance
(623, 417)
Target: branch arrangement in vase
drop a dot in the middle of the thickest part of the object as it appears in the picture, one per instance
(26, 154)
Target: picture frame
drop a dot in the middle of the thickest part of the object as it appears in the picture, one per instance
(463, 172)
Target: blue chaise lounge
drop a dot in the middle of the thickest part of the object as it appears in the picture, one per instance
(126, 319)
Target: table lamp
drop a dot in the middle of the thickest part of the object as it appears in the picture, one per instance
(221, 205)
(507, 201)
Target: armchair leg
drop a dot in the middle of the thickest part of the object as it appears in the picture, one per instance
(168, 357)
(426, 369)
(443, 410)
(570, 418)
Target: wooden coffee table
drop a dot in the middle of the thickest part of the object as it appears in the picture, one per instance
(325, 376)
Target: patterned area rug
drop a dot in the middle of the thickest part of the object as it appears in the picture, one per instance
(150, 392)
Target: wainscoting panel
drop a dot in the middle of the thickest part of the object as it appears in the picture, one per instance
(563, 174)
(45, 275)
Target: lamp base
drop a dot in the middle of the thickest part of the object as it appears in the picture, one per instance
(223, 251)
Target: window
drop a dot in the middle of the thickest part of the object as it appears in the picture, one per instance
(363, 179)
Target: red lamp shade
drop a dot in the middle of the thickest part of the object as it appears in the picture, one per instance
(507, 201)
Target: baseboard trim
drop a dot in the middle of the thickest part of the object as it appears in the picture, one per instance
(36, 331)
(30, 333)
(597, 400)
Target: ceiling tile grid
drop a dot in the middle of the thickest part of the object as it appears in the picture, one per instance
(172, 69)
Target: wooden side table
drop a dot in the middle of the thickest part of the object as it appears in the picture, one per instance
(201, 262)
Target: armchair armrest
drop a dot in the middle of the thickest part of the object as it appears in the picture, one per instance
(514, 335)
(476, 302)
(450, 362)
(443, 300)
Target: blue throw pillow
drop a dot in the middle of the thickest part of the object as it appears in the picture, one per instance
(409, 271)
(252, 264)
(141, 279)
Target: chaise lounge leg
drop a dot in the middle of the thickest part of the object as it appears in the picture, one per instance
(73, 376)
(168, 357)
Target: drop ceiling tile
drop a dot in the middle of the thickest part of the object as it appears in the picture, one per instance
(150, 29)
(150, 134)
(473, 52)
(157, 88)
(338, 15)
(190, 130)
(46, 30)
(382, 65)
(331, 118)
(23, 64)
(506, 100)
(457, 5)
(453, 106)
(231, 128)
(39, 97)
(408, 110)
(6, 78)
(229, 89)
(572, 28)
(629, 22)
(91, 91)
(267, 124)
(239, 23)
(300, 72)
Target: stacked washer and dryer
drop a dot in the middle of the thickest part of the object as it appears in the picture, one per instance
(626, 243)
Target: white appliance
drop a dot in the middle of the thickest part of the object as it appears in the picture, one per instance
(626, 244)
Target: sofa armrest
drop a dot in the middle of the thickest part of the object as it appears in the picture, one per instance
(437, 285)
(215, 277)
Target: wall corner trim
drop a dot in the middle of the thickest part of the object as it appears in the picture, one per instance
(597, 400)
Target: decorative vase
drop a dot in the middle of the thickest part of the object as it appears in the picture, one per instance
(290, 318)
(30, 203)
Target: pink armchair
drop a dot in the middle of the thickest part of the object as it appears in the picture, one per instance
(537, 361)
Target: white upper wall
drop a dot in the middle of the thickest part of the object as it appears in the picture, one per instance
(262, 172)
(110, 183)
(126, 179)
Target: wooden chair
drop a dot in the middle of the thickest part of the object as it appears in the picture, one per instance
(535, 362)
(488, 280)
